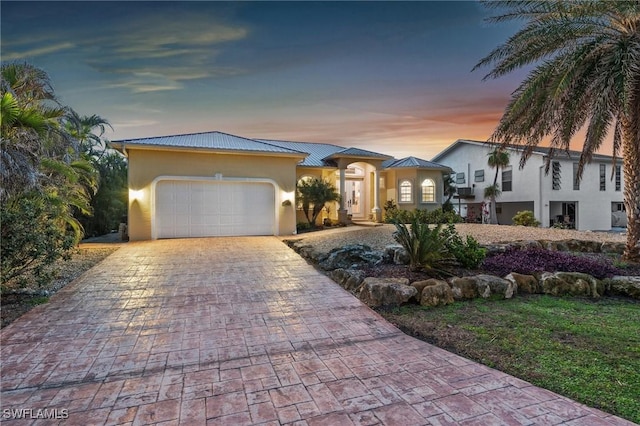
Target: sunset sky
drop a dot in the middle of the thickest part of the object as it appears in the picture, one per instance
(393, 77)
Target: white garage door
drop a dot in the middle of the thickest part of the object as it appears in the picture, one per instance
(208, 209)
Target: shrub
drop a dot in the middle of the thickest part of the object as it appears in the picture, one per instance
(393, 214)
(525, 218)
(32, 238)
(531, 260)
(467, 252)
(425, 246)
(442, 216)
(303, 227)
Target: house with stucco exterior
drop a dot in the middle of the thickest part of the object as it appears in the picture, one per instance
(594, 203)
(218, 184)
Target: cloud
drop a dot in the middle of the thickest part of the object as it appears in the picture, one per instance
(147, 82)
(158, 53)
(36, 51)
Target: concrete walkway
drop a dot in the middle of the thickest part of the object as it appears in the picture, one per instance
(235, 331)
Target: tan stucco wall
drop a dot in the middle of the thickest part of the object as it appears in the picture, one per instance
(147, 165)
(416, 176)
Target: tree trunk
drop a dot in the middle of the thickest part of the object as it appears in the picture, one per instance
(492, 211)
(631, 168)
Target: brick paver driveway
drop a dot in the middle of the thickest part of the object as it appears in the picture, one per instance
(235, 331)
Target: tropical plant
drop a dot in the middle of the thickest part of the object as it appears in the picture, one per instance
(425, 245)
(313, 194)
(47, 174)
(450, 189)
(498, 158)
(109, 203)
(525, 218)
(29, 114)
(87, 132)
(586, 75)
(467, 252)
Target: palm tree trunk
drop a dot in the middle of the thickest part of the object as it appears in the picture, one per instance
(631, 168)
(493, 212)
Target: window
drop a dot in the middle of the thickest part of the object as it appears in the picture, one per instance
(576, 181)
(603, 177)
(555, 172)
(460, 178)
(618, 178)
(428, 191)
(478, 176)
(406, 191)
(507, 177)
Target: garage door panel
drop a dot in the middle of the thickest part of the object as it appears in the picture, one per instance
(206, 208)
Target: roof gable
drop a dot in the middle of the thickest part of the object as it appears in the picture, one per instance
(413, 162)
(357, 152)
(317, 151)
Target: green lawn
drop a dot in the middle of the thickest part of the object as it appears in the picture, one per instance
(588, 350)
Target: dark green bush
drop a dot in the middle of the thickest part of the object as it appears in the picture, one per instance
(467, 252)
(437, 216)
(33, 238)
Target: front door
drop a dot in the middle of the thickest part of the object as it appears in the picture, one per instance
(353, 200)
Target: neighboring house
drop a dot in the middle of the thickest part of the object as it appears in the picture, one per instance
(217, 184)
(595, 203)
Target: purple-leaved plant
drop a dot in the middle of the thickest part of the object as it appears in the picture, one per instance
(531, 260)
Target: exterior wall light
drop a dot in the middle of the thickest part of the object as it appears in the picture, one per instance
(136, 195)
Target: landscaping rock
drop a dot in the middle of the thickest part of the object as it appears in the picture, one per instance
(463, 288)
(436, 293)
(396, 254)
(352, 256)
(419, 286)
(349, 279)
(386, 291)
(571, 284)
(624, 286)
(583, 246)
(524, 283)
(493, 249)
(490, 284)
(530, 244)
(609, 247)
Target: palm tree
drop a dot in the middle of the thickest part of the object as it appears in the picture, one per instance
(87, 132)
(30, 116)
(313, 195)
(498, 158)
(449, 185)
(586, 75)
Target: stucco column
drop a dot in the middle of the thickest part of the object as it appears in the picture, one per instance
(377, 212)
(342, 212)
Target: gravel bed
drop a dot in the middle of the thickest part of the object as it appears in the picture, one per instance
(379, 237)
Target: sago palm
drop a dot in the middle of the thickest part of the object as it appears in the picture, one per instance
(586, 76)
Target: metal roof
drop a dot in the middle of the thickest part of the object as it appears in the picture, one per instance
(357, 152)
(410, 162)
(209, 140)
(317, 151)
(540, 150)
